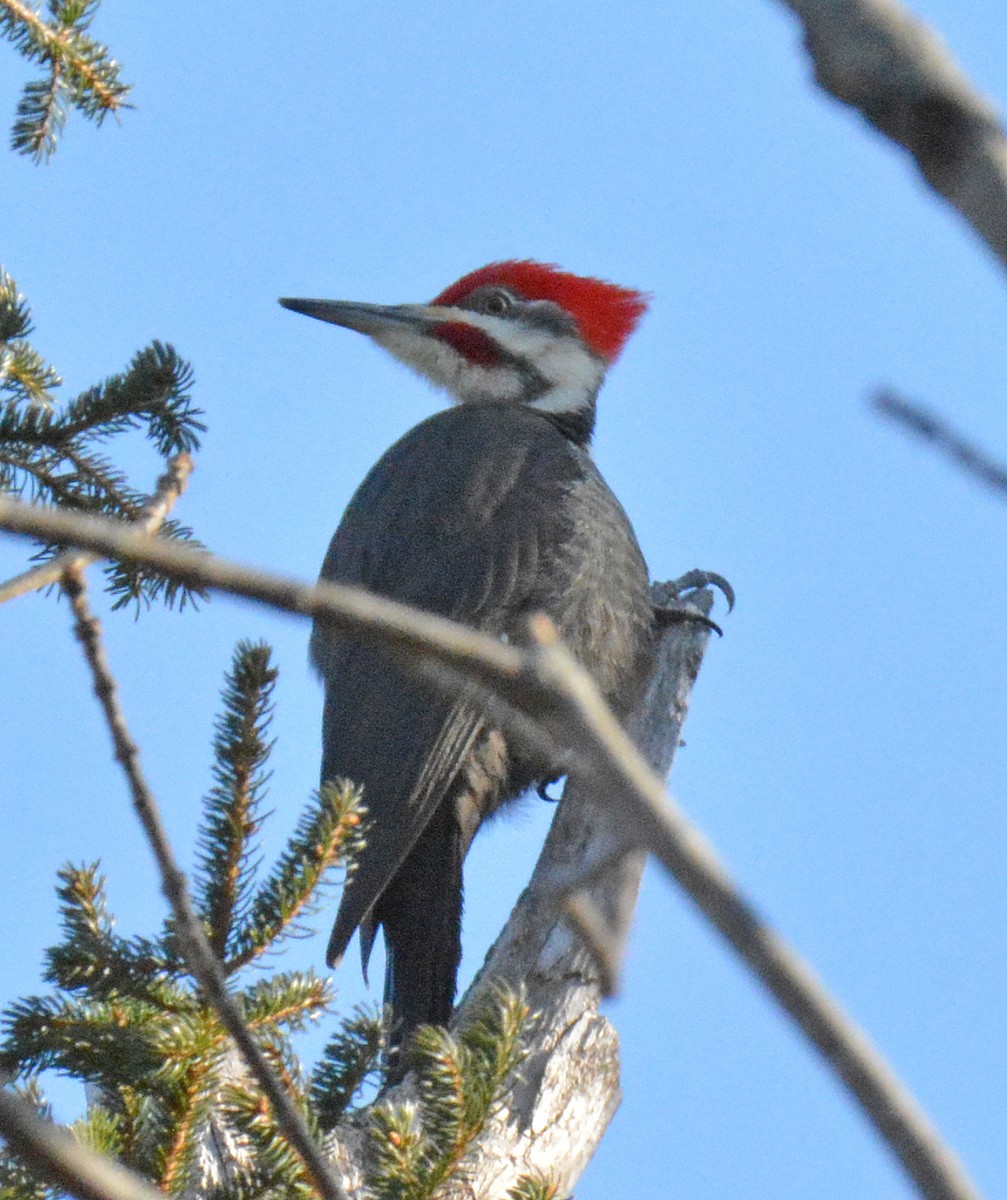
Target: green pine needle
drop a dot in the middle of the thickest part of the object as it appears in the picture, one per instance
(351, 1057)
(272, 1170)
(228, 848)
(25, 377)
(93, 960)
(97, 1043)
(289, 1000)
(533, 1187)
(100, 1131)
(125, 1015)
(55, 457)
(328, 834)
(462, 1079)
(78, 72)
(399, 1153)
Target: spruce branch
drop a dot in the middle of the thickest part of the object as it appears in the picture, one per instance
(25, 377)
(170, 1098)
(154, 391)
(231, 812)
(189, 1113)
(397, 1152)
(102, 1043)
(328, 833)
(462, 1078)
(78, 71)
(55, 457)
(93, 960)
(101, 1131)
(349, 1059)
(287, 1001)
(273, 1170)
(169, 487)
(188, 930)
(533, 1187)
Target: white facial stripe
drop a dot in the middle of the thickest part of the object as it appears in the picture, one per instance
(572, 371)
(444, 366)
(575, 373)
(561, 400)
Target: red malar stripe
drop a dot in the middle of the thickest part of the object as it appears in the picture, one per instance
(476, 346)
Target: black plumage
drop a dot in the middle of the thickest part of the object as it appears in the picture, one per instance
(486, 513)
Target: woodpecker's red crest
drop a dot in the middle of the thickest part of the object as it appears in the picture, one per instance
(606, 313)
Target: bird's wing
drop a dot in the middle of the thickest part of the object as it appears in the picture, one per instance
(455, 519)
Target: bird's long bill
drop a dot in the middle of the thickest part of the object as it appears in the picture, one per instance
(370, 319)
(445, 345)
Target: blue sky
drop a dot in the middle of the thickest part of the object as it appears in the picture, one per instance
(845, 749)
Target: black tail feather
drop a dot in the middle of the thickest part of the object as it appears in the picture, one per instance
(421, 916)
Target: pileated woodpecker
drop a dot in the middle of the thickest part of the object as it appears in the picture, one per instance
(488, 513)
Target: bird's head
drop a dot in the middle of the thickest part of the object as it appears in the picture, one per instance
(522, 332)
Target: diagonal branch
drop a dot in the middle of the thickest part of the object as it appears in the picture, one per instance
(972, 459)
(57, 1156)
(169, 487)
(878, 58)
(192, 940)
(79, 70)
(69, 54)
(545, 684)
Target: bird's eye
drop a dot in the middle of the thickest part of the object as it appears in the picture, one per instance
(497, 304)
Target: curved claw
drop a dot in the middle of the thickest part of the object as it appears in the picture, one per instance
(666, 615)
(695, 579)
(542, 788)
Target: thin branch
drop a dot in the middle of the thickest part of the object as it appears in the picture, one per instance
(41, 143)
(546, 684)
(934, 429)
(594, 931)
(49, 43)
(878, 58)
(55, 1155)
(659, 826)
(42, 35)
(66, 45)
(192, 940)
(169, 487)
(416, 634)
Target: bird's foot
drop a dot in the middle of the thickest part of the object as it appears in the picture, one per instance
(681, 610)
(692, 581)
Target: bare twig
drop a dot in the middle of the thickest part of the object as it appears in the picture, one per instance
(661, 828)
(878, 58)
(192, 940)
(169, 487)
(934, 429)
(545, 683)
(56, 1156)
(595, 932)
(414, 633)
